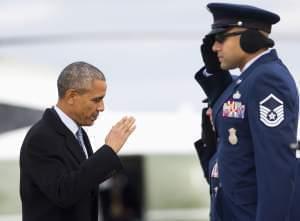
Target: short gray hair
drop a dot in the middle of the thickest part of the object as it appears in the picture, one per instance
(78, 76)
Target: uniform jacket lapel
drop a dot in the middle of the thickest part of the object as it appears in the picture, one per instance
(240, 80)
(72, 144)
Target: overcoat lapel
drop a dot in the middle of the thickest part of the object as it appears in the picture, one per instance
(87, 143)
(71, 141)
(75, 148)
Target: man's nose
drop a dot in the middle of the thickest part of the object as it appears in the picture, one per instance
(216, 46)
(100, 106)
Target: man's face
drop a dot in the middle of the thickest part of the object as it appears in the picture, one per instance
(229, 51)
(87, 105)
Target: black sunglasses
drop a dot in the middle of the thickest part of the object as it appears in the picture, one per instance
(223, 36)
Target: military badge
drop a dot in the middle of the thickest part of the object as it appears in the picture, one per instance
(271, 111)
(233, 109)
(232, 138)
(237, 95)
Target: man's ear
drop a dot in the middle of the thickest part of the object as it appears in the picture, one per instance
(70, 96)
(252, 40)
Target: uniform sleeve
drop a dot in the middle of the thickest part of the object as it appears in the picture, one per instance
(204, 154)
(213, 85)
(273, 117)
(51, 174)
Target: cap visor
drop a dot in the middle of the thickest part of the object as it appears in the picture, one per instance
(216, 31)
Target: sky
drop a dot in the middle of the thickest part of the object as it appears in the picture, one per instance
(148, 50)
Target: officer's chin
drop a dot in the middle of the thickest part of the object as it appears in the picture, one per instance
(226, 67)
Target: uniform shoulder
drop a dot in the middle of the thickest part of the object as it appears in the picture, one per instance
(272, 71)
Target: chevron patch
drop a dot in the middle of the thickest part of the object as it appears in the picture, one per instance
(271, 111)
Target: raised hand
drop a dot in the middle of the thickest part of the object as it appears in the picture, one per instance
(209, 57)
(119, 133)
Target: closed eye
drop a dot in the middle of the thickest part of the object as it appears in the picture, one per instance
(97, 99)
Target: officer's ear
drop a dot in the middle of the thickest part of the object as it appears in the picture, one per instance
(252, 40)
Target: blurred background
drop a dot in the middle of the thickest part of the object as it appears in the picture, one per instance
(149, 52)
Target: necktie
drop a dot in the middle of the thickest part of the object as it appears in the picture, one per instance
(79, 136)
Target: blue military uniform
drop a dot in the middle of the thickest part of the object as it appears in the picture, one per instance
(256, 119)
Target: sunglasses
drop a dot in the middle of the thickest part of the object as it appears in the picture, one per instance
(221, 38)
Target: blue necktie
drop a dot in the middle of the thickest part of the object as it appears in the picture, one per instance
(79, 137)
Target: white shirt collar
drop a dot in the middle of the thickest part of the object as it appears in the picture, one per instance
(254, 59)
(70, 124)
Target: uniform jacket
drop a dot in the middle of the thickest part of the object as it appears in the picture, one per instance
(57, 183)
(256, 120)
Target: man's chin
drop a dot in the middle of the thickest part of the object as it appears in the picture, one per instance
(91, 123)
(226, 67)
(87, 124)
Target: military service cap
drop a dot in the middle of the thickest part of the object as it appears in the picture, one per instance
(236, 15)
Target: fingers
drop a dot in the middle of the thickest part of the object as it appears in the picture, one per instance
(130, 130)
(208, 39)
(120, 132)
(129, 125)
(121, 122)
(125, 124)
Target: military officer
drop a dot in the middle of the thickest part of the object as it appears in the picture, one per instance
(255, 116)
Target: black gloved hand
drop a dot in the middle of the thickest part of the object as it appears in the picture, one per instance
(209, 57)
(208, 135)
(206, 147)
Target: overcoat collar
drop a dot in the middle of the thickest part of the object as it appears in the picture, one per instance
(51, 117)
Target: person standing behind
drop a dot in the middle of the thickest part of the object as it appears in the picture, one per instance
(59, 173)
(255, 116)
(213, 81)
(207, 154)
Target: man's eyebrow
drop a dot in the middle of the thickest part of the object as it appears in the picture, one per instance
(98, 98)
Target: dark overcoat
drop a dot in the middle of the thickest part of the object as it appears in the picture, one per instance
(57, 183)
